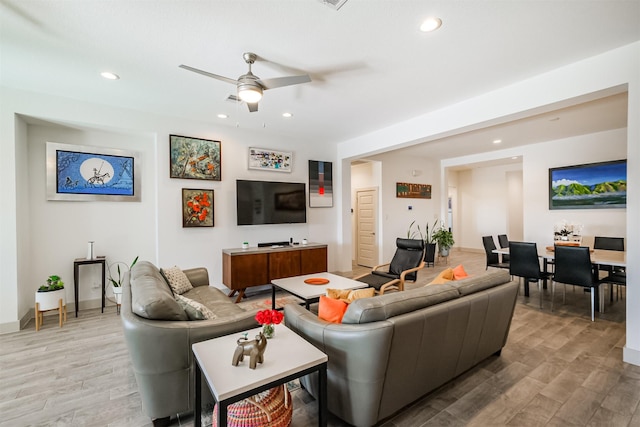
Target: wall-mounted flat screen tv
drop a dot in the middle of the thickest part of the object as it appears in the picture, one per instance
(268, 202)
(591, 186)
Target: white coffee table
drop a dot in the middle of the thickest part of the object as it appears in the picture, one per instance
(311, 293)
(287, 357)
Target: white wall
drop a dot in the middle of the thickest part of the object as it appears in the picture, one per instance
(538, 158)
(394, 213)
(42, 237)
(483, 204)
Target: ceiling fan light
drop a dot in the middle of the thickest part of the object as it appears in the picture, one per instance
(249, 93)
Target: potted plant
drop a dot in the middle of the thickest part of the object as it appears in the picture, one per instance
(49, 295)
(427, 237)
(116, 282)
(444, 238)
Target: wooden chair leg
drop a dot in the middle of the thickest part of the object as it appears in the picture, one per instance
(60, 312)
(37, 316)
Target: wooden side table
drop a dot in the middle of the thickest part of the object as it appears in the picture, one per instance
(84, 261)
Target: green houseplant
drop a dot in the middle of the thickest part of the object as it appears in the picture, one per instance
(444, 238)
(116, 282)
(54, 283)
(427, 237)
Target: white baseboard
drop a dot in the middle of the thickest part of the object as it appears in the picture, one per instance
(630, 355)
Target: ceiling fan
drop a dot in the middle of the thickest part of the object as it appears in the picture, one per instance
(250, 86)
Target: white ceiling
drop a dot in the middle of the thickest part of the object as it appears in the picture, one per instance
(369, 63)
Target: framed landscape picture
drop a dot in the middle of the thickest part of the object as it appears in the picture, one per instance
(589, 186)
(271, 160)
(194, 158)
(406, 190)
(197, 208)
(86, 173)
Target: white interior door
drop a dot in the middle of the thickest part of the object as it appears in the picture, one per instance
(367, 218)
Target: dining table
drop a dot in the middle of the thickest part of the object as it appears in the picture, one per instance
(599, 257)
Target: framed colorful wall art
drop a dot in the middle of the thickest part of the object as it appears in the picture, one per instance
(86, 173)
(194, 158)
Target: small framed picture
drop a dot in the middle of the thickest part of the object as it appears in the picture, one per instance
(271, 160)
(197, 208)
(194, 158)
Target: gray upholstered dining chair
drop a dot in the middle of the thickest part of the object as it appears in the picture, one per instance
(573, 267)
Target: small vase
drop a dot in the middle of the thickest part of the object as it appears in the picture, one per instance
(269, 330)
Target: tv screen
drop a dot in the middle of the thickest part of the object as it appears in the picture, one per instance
(268, 202)
(594, 185)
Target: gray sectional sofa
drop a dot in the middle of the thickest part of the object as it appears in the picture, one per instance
(392, 349)
(159, 335)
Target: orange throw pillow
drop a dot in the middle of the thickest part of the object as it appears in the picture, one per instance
(444, 277)
(331, 309)
(459, 273)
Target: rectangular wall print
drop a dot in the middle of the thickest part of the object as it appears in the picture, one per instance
(591, 186)
(86, 173)
(270, 160)
(320, 184)
(194, 158)
(197, 208)
(413, 191)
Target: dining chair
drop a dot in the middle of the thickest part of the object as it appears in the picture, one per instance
(616, 275)
(524, 263)
(573, 267)
(503, 241)
(493, 259)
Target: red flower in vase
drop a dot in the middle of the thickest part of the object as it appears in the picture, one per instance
(269, 317)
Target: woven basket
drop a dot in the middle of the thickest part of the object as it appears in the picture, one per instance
(271, 408)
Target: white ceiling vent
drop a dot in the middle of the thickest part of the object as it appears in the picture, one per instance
(334, 4)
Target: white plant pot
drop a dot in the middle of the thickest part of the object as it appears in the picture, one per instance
(117, 293)
(50, 300)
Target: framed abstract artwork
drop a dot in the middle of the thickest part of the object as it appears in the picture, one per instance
(405, 190)
(320, 184)
(194, 158)
(197, 208)
(270, 160)
(86, 173)
(590, 186)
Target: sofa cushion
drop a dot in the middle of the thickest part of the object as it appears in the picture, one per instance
(459, 272)
(445, 276)
(350, 295)
(194, 309)
(472, 284)
(151, 298)
(178, 281)
(331, 309)
(385, 306)
(215, 300)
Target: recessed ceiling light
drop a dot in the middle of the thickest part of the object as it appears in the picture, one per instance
(222, 116)
(514, 158)
(109, 75)
(497, 141)
(287, 115)
(431, 24)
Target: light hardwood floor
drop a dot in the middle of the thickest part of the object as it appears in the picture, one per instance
(557, 369)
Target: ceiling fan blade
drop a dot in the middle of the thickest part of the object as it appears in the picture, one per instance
(208, 74)
(233, 98)
(252, 107)
(283, 81)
